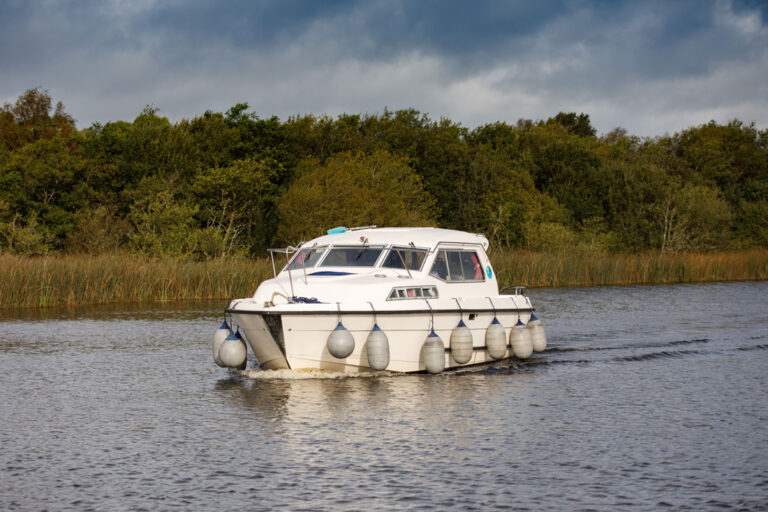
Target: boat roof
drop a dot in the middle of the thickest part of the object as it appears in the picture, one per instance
(419, 237)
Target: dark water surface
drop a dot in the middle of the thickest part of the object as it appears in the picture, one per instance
(648, 398)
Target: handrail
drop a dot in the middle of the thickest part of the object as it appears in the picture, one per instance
(284, 250)
(519, 290)
(446, 242)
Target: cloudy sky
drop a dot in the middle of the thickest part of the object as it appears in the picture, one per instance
(650, 67)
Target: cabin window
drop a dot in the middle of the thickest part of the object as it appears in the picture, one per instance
(413, 292)
(413, 258)
(457, 266)
(352, 257)
(306, 258)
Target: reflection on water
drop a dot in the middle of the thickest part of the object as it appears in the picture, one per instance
(647, 398)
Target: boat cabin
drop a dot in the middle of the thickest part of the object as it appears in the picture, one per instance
(441, 262)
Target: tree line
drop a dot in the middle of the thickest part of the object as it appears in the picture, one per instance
(232, 183)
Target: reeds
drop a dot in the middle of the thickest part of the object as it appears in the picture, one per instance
(70, 280)
(589, 269)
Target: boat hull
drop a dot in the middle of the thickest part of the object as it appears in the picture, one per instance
(285, 340)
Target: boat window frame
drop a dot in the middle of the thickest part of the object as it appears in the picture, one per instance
(381, 247)
(390, 248)
(448, 267)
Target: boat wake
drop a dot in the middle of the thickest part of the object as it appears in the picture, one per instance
(668, 352)
(754, 347)
(529, 365)
(630, 346)
(664, 354)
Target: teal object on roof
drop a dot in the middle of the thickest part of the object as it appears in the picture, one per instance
(336, 231)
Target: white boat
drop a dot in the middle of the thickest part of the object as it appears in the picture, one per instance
(369, 299)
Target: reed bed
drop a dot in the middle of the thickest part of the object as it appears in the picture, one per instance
(72, 280)
(589, 269)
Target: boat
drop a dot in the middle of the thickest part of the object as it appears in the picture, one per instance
(373, 299)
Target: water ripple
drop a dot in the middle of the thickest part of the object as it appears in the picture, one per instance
(656, 403)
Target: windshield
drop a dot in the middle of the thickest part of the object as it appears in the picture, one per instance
(413, 258)
(307, 258)
(352, 257)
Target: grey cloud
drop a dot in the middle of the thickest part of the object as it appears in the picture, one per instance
(650, 67)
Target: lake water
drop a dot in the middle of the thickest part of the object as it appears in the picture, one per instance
(647, 398)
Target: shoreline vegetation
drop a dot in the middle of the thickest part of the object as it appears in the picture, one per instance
(78, 280)
(151, 210)
(225, 184)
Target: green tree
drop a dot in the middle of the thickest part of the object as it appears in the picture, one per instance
(518, 215)
(164, 224)
(732, 157)
(235, 205)
(636, 192)
(751, 221)
(435, 150)
(695, 217)
(99, 229)
(231, 182)
(30, 119)
(636, 187)
(40, 186)
(567, 168)
(575, 124)
(353, 190)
